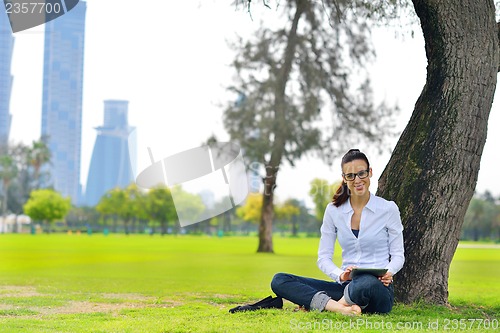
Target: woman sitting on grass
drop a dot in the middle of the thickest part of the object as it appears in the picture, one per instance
(370, 232)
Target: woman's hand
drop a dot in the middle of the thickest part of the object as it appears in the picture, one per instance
(346, 275)
(386, 279)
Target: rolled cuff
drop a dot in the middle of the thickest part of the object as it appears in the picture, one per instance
(319, 301)
(335, 275)
(347, 297)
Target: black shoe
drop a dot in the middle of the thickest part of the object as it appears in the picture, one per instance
(266, 303)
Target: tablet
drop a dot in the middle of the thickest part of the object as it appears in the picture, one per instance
(372, 271)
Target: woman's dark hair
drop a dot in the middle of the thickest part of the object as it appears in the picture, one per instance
(342, 193)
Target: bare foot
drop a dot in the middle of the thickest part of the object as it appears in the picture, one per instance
(343, 301)
(343, 308)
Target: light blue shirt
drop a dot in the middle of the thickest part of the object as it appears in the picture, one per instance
(380, 240)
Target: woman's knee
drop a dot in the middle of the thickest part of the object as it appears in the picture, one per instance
(278, 280)
(367, 281)
(364, 287)
(369, 290)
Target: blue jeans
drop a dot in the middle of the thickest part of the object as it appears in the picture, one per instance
(365, 290)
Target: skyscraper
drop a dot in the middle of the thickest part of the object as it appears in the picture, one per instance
(6, 48)
(62, 98)
(110, 165)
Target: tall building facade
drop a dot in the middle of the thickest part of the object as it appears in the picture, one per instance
(6, 79)
(110, 165)
(62, 98)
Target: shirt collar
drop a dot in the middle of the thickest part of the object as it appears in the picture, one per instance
(371, 205)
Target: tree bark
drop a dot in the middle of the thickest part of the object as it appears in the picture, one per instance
(433, 170)
(498, 31)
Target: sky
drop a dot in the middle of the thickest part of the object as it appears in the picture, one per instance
(170, 60)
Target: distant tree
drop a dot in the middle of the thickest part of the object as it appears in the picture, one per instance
(8, 172)
(496, 224)
(321, 193)
(29, 161)
(122, 203)
(47, 206)
(79, 217)
(110, 204)
(138, 202)
(20, 187)
(288, 213)
(251, 210)
(160, 207)
(225, 220)
(481, 218)
(474, 218)
(190, 205)
(38, 155)
(286, 77)
(129, 201)
(487, 196)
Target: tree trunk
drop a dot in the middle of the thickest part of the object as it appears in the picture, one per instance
(281, 134)
(267, 215)
(433, 170)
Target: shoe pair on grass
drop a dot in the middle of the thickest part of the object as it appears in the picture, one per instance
(267, 303)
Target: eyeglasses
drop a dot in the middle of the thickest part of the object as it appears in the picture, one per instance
(361, 175)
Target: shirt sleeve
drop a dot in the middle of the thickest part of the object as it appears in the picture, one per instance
(327, 246)
(396, 245)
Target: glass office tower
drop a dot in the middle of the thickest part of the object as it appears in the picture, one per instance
(110, 165)
(62, 98)
(6, 48)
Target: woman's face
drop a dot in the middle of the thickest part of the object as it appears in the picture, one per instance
(357, 168)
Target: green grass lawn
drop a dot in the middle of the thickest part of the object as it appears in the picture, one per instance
(139, 283)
